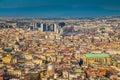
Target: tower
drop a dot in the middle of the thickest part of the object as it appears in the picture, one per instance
(51, 69)
(41, 27)
(54, 27)
(44, 27)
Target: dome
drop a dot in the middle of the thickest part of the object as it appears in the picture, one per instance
(51, 67)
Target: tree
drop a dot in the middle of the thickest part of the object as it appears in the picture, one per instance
(108, 74)
(92, 40)
(8, 49)
(61, 24)
(80, 62)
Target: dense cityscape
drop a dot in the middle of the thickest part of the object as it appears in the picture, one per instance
(60, 48)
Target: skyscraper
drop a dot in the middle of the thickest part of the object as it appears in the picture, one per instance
(49, 27)
(54, 27)
(43, 27)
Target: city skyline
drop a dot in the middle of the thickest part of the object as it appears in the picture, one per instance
(59, 8)
(85, 48)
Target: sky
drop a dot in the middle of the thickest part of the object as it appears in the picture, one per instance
(59, 8)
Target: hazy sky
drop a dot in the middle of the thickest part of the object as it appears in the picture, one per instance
(58, 8)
